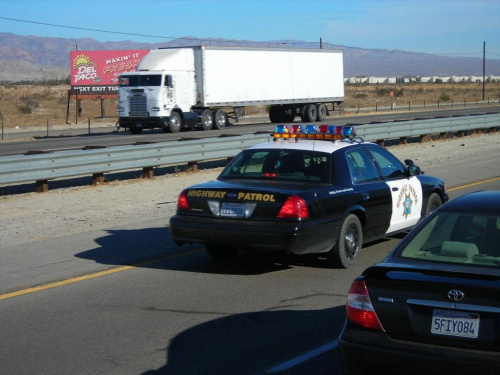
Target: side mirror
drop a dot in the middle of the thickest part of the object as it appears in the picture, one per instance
(413, 170)
(169, 82)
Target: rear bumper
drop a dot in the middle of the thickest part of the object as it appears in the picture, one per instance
(296, 238)
(365, 351)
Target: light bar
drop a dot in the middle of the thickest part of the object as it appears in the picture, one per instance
(318, 132)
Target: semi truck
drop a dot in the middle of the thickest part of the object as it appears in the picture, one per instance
(200, 87)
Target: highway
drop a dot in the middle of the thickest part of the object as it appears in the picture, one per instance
(79, 137)
(128, 301)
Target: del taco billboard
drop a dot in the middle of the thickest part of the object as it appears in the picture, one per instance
(96, 72)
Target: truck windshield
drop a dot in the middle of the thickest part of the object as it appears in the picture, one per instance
(140, 80)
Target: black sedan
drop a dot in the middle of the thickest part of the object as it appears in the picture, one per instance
(305, 195)
(433, 305)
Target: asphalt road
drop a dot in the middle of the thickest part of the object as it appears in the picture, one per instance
(52, 140)
(176, 310)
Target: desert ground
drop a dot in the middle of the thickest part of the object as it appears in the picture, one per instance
(23, 107)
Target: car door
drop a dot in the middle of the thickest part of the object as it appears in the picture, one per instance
(406, 192)
(375, 194)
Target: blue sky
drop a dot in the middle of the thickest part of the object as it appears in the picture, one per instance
(445, 27)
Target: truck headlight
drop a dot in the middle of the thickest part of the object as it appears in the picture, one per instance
(155, 109)
(121, 109)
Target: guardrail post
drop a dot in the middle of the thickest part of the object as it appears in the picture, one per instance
(97, 178)
(148, 172)
(192, 166)
(42, 186)
(403, 140)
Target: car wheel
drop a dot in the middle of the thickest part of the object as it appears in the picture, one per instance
(433, 203)
(348, 245)
(175, 122)
(322, 112)
(221, 252)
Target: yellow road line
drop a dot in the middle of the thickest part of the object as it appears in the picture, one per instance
(89, 276)
(125, 268)
(474, 184)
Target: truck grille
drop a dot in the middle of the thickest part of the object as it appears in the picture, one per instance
(138, 106)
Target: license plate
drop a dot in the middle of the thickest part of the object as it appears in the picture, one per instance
(455, 323)
(229, 209)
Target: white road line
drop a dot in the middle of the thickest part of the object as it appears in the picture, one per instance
(303, 358)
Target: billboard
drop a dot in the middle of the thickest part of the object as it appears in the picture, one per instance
(96, 72)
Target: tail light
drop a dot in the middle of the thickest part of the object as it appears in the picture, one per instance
(182, 202)
(294, 208)
(359, 307)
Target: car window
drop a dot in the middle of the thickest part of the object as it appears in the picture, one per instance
(390, 166)
(462, 238)
(298, 165)
(361, 167)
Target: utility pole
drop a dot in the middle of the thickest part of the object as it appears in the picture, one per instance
(320, 43)
(484, 67)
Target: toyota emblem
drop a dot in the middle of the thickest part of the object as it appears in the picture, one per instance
(456, 295)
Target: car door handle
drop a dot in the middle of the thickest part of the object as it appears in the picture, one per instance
(365, 196)
(395, 189)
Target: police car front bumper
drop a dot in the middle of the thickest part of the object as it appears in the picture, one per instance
(293, 237)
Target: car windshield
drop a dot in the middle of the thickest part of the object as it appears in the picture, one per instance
(140, 80)
(459, 238)
(296, 165)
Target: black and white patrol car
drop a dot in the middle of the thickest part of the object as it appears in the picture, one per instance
(306, 192)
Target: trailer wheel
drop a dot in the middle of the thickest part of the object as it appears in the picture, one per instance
(175, 122)
(288, 114)
(309, 113)
(275, 114)
(322, 112)
(220, 118)
(206, 120)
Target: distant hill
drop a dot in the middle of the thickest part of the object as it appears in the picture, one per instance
(42, 58)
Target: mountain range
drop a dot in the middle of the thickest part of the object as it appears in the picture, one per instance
(41, 58)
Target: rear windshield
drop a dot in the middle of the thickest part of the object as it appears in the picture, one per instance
(458, 238)
(293, 165)
(140, 80)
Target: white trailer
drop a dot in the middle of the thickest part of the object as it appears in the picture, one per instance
(175, 88)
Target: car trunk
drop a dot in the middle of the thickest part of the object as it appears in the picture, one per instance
(437, 306)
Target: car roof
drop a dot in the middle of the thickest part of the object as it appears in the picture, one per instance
(307, 145)
(487, 202)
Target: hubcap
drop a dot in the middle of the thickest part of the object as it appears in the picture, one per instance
(351, 243)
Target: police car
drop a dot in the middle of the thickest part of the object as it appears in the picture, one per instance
(318, 189)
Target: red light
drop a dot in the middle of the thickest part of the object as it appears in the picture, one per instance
(270, 175)
(294, 208)
(359, 308)
(182, 202)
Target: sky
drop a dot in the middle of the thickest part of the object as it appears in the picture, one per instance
(443, 27)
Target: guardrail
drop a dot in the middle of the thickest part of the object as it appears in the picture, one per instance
(63, 164)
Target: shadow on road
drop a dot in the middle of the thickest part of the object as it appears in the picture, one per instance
(253, 343)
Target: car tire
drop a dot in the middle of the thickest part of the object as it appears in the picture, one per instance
(221, 252)
(135, 130)
(348, 245)
(206, 120)
(433, 204)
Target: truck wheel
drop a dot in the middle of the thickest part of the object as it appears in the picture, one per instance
(175, 122)
(288, 114)
(348, 245)
(275, 114)
(206, 120)
(221, 252)
(220, 119)
(322, 112)
(309, 113)
(135, 130)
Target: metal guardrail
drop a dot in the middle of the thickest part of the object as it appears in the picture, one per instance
(64, 164)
